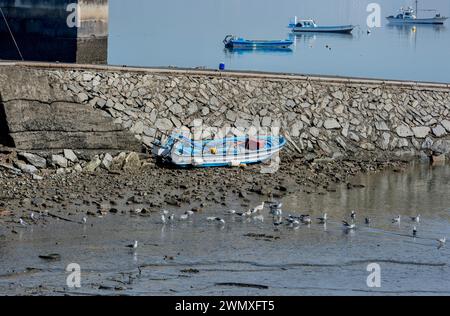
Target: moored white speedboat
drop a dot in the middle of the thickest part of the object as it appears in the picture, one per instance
(407, 16)
(309, 26)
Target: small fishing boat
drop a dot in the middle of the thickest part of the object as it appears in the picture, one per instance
(234, 42)
(309, 26)
(234, 151)
(407, 16)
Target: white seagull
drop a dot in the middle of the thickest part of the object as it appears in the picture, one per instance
(416, 218)
(396, 219)
(22, 222)
(84, 220)
(323, 219)
(184, 217)
(353, 215)
(293, 221)
(347, 225)
(217, 219)
(306, 220)
(133, 246)
(276, 205)
(163, 218)
(171, 217)
(276, 212)
(165, 212)
(441, 242)
(189, 213)
(230, 212)
(258, 208)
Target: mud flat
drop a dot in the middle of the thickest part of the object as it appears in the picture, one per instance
(147, 187)
(242, 257)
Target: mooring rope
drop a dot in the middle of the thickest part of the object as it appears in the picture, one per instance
(12, 35)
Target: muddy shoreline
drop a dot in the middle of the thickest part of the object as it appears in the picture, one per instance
(154, 187)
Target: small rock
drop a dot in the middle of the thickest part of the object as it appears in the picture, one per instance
(107, 161)
(331, 124)
(83, 97)
(446, 125)
(36, 177)
(439, 131)
(70, 155)
(421, 131)
(33, 159)
(92, 165)
(404, 131)
(26, 168)
(59, 160)
(338, 95)
(132, 162)
(118, 161)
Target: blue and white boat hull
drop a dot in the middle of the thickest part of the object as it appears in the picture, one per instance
(230, 152)
(232, 42)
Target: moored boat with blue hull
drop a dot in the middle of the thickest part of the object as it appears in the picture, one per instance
(234, 42)
(233, 151)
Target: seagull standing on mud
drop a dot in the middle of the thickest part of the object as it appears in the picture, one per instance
(184, 217)
(347, 225)
(217, 219)
(258, 208)
(441, 242)
(396, 219)
(275, 209)
(323, 219)
(353, 215)
(416, 218)
(22, 222)
(292, 221)
(306, 220)
(133, 246)
(84, 220)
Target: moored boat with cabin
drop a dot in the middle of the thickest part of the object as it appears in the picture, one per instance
(407, 16)
(310, 26)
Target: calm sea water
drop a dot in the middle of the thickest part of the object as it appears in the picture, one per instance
(189, 33)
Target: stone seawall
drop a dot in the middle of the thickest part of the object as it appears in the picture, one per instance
(321, 116)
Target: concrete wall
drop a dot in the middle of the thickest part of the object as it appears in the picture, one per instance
(34, 115)
(324, 116)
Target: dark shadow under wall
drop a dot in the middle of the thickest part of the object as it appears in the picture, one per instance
(5, 138)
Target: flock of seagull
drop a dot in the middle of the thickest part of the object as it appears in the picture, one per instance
(293, 221)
